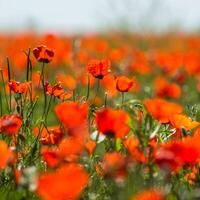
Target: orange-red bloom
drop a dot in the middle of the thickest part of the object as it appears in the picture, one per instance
(163, 88)
(68, 150)
(18, 87)
(67, 80)
(109, 83)
(10, 124)
(98, 68)
(51, 156)
(182, 121)
(150, 194)
(57, 91)
(124, 84)
(161, 109)
(50, 135)
(112, 122)
(173, 155)
(113, 165)
(43, 54)
(7, 156)
(132, 145)
(65, 183)
(71, 114)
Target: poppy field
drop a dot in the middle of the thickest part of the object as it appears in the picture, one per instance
(113, 116)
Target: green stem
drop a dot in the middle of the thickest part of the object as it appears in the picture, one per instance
(105, 100)
(31, 78)
(1, 105)
(4, 88)
(9, 78)
(88, 88)
(123, 97)
(97, 137)
(97, 90)
(48, 108)
(21, 105)
(74, 95)
(44, 91)
(28, 64)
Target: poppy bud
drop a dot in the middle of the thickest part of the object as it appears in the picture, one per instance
(124, 84)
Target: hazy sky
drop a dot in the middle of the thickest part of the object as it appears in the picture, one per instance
(87, 15)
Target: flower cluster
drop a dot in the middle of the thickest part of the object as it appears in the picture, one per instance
(108, 119)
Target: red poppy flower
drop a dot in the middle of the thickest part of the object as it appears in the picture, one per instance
(69, 150)
(57, 91)
(113, 122)
(51, 156)
(180, 77)
(67, 80)
(182, 121)
(50, 135)
(114, 165)
(150, 194)
(10, 124)
(98, 68)
(7, 156)
(132, 145)
(65, 183)
(161, 109)
(163, 88)
(71, 114)
(18, 87)
(109, 83)
(173, 155)
(124, 84)
(43, 54)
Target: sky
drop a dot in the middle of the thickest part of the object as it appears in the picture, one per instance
(95, 15)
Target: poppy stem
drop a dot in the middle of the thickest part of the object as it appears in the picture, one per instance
(123, 98)
(1, 105)
(41, 74)
(9, 78)
(97, 137)
(8, 68)
(32, 108)
(4, 88)
(21, 105)
(88, 88)
(97, 90)
(44, 91)
(74, 95)
(28, 64)
(45, 102)
(105, 99)
(48, 108)
(31, 85)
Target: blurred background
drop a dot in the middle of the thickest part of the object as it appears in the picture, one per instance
(100, 15)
